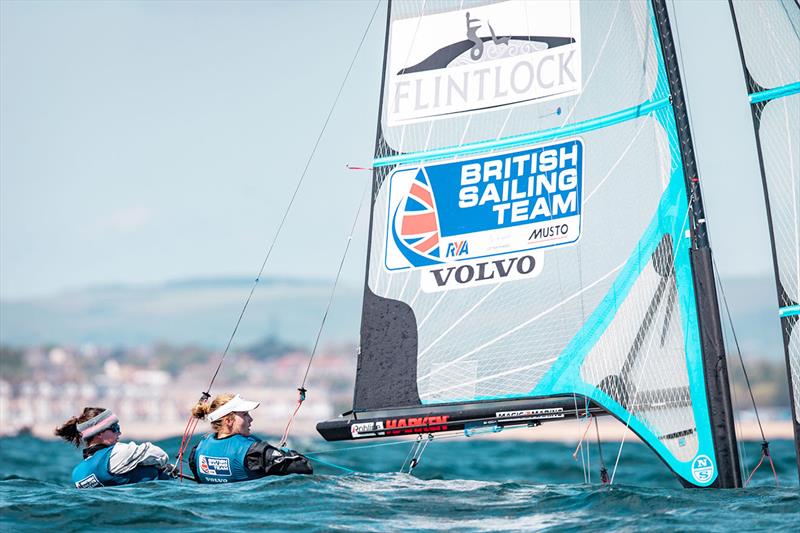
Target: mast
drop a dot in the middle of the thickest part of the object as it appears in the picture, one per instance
(759, 97)
(713, 347)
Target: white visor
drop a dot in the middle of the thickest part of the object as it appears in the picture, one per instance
(237, 404)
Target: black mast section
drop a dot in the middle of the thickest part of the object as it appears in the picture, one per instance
(713, 347)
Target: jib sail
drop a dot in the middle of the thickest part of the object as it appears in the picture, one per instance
(769, 42)
(537, 236)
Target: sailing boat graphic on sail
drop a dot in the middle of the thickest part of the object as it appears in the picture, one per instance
(526, 265)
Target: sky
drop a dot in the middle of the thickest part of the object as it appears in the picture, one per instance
(149, 141)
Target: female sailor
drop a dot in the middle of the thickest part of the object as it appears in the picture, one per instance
(106, 461)
(230, 453)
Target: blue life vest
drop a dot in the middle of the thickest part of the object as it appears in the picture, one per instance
(223, 460)
(93, 472)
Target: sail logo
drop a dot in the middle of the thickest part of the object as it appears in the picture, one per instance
(482, 219)
(215, 466)
(553, 412)
(702, 469)
(366, 429)
(457, 248)
(415, 223)
(471, 274)
(423, 424)
(482, 58)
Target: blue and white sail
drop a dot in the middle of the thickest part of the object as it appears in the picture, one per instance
(769, 42)
(537, 236)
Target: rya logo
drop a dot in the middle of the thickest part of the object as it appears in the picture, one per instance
(457, 248)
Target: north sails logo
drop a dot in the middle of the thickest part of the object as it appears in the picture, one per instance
(533, 55)
(702, 469)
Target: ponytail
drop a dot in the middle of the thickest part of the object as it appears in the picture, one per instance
(204, 407)
(69, 429)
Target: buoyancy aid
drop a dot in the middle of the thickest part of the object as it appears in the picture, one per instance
(222, 460)
(94, 471)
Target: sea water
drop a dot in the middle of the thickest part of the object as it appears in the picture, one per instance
(464, 484)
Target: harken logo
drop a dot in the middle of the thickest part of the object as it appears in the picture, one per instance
(484, 57)
(702, 469)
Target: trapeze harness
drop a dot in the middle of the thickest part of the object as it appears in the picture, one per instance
(239, 458)
(94, 470)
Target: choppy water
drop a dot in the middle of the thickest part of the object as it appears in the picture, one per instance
(466, 484)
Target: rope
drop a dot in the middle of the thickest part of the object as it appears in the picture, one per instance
(411, 452)
(588, 417)
(764, 453)
(738, 350)
(294, 194)
(302, 388)
(190, 427)
(320, 461)
(578, 424)
(603, 470)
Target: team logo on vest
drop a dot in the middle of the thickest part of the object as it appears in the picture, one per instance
(215, 466)
(483, 57)
(702, 469)
(482, 219)
(88, 482)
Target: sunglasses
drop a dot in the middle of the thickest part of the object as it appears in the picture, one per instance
(115, 428)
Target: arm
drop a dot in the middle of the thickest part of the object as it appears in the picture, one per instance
(262, 457)
(127, 456)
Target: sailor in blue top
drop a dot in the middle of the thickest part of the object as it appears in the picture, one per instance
(106, 461)
(230, 453)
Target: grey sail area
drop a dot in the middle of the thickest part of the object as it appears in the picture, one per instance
(537, 245)
(769, 42)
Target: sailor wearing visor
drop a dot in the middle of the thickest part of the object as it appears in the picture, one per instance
(106, 461)
(230, 453)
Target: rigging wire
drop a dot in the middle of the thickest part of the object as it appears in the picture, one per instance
(580, 440)
(764, 443)
(302, 388)
(190, 426)
(603, 470)
(765, 454)
(296, 189)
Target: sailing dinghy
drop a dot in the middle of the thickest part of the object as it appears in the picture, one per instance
(538, 247)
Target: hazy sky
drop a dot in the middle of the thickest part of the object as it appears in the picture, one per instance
(147, 141)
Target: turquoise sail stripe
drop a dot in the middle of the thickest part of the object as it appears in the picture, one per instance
(789, 310)
(564, 376)
(528, 138)
(777, 92)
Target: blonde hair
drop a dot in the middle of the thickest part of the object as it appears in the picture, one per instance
(203, 408)
(69, 429)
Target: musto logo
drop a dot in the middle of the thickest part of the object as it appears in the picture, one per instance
(484, 57)
(484, 219)
(215, 466)
(702, 469)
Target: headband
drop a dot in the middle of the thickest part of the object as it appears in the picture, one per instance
(95, 425)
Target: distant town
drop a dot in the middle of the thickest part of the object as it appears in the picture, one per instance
(153, 387)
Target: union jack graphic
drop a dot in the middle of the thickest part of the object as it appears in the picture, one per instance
(418, 225)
